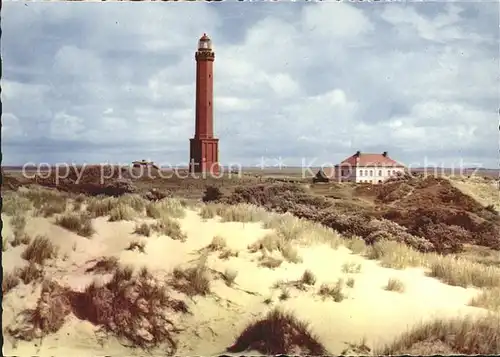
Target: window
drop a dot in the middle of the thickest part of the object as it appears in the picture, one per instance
(380, 172)
(388, 172)
(394, 172)
(371, 172)
(360, 172)
(366, 172)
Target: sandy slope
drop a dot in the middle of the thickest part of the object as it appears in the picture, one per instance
(369, 311)
(485, 192)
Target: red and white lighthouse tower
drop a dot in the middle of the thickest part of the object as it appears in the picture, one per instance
(204, 148)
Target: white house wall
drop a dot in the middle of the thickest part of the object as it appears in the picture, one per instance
(375, 174)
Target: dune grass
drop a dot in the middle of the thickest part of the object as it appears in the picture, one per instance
(218, 243)
(128, 299)
(165, 225)
(101, 206)
(9, 282)
(79, 223)
(454, 270)
(208, 211)
(122, 212)
(137, 245)
(143, 229)
(450, 269)
(14, 204)
(41, 196)
(31, 272)
(169, 207)
(18, 223)
(275, 242)
(351, 268)
(469, 336)
(19, 239)
(488, 299)
(308, 278)
(350, 282)
(279, 332)
(40, 250)
(51, 208)
(243, 213)
(396, 285)
(229, 276)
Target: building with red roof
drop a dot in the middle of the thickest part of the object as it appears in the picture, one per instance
(365, 168)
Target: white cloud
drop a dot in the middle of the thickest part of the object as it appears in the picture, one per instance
(64, 126)
(318, 80)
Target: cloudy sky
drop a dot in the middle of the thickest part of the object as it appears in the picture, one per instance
(114, 82)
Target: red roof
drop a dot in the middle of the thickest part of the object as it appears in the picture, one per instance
(370, 160)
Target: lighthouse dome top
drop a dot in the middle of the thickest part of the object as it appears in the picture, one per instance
(205, 43)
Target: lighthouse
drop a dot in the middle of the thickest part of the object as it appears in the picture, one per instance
(204, 147)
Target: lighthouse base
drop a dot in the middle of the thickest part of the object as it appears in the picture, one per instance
(204, 156)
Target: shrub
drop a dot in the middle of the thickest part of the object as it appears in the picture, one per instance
(18, 223)
(31, 272)
(290, 253)
(13, 204)
(9, 282)
(136, 202)
(284, 295)
(45, 197)
(122, 212)
(104, 265)
(101, 206)
(229, 276)
(19, 239)
(39, 250)
(227, 253)
(170, 207)
(167, 226)
(48, 316)
(278, 333)
(356, 244)
(79, 223)
(144, 229)
(212, 193)
(460, 272)
(51, 208)
(207, 212)
(333, 291)
(350, 282)
(351, 268)
(218, 243)
(140, 246)
(270, 262)
(468, 336)
(308, 278)
(395, 285)
(272, 242)
(488, 299)
(127, 300)
(492, 209)
(242, 213)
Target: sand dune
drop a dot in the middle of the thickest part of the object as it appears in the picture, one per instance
(368, 310)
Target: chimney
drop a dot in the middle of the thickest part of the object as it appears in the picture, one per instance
(357, 153)
(384, 154)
